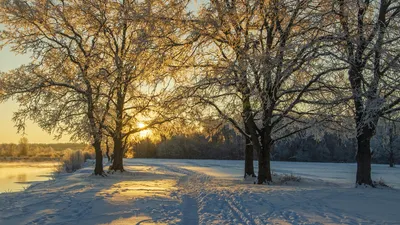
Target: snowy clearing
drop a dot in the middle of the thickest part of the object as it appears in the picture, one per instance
(155, 191)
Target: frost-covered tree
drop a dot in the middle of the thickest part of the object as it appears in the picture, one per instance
(385, 144)
(60, 88)
(140, 40)
(369, 38)
(98, 67)
(262, 60)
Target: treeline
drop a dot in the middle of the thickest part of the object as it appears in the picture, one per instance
(26, 150)
(228, 145)
(197, 146)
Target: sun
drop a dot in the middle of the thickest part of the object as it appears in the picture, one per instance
(141, 125)
(143, 133)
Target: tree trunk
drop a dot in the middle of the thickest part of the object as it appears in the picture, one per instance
(98, 169)
(264, 159)
(264, 166)
(248, 157)
(97, 137)
(392, 129)
(263, 151)
(118, 156)
(108, 151)
(118, 134)
(391, 158)
(364, 158)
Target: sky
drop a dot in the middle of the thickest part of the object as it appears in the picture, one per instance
(8, 133)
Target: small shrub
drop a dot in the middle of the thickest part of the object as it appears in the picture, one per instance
(71, 161)
(289, 177)
(380, 183)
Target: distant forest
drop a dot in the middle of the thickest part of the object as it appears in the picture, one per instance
(25, 149)
(227, 144)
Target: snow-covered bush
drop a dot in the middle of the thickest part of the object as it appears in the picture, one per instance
(72, 161)
(381, 183)
(289, 177)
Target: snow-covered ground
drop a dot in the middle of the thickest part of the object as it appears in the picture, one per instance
(189, 192)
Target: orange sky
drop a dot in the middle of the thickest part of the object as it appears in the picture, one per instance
(8, 133)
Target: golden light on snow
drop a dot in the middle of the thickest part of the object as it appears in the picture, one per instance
(143, 220)
(145, 182)
(132, 190)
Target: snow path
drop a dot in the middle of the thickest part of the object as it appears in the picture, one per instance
(189, 210)
(198, 192)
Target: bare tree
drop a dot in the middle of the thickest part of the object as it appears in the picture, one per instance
(385, 143)
(60, 87)
(139, 38)
(264, 59)
(101, 66)
(369, 39)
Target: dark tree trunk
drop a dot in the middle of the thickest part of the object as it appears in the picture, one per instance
(264, 166)
(117, 164)
(98, 169)
(263, 149)
(391, 158)
(248, 157)
(96, 134)
(364, 158)
(264, 159)
(391, 147)
(364, 131)
(108, 151)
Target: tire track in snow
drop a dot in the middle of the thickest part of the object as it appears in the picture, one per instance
(240, 211)
(186, 192)
(192, 184)
(190, 209)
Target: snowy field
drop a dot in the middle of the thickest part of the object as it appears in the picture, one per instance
(206, 192)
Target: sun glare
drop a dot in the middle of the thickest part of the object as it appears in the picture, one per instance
(141, 125)
(143, 133)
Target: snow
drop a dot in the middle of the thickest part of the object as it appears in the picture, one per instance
(156, 191)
